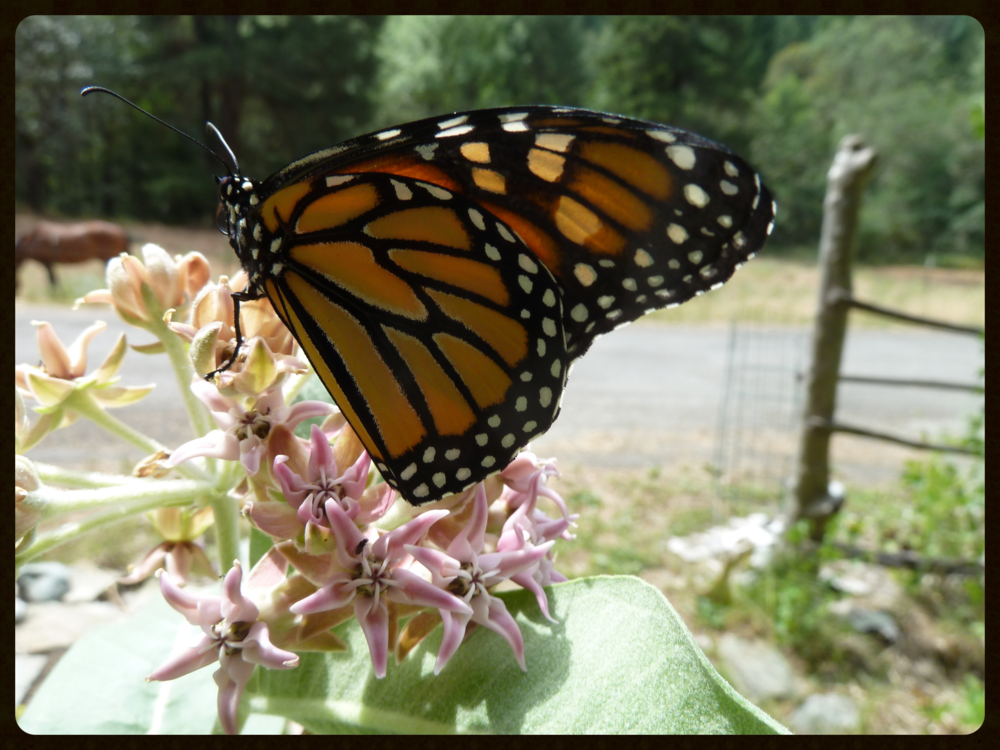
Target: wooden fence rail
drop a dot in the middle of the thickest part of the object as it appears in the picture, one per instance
(812, 497)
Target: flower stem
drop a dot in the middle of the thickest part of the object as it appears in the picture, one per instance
(79, 479)
(84, 404)
(69, 531)
(178, 355)
(139, 495)
(227, 531)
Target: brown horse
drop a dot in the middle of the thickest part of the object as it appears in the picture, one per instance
(50, 243)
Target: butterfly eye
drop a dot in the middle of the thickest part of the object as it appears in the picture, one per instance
(222, 219)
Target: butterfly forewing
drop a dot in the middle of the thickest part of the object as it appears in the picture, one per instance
(436, 330)
(441, 275)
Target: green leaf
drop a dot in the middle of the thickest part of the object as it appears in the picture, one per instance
(620, 660)
(98, 686)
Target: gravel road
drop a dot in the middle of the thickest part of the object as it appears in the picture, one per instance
(646, 395)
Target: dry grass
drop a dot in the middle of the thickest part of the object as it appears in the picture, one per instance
(783, 292)
(773, 290)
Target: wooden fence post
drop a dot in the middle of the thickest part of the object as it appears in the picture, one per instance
(810, 497)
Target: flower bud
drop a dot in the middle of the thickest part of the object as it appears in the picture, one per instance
(27, 512)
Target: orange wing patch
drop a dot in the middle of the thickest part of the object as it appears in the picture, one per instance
(321, 368)
(404, 166)
(618, 202)
(480, 374)
(470, 275)
(352, 266)
(396, 419)
(637, 168)
(335, 209)
(451, 412)
(283, 203)
(581, 225)
(435, 224)
(504, 335)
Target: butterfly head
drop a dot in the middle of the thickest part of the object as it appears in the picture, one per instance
(238, 196)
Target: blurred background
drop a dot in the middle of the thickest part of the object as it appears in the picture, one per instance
(678, 434)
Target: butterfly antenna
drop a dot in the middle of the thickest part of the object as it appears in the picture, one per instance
(100, 89)
(229, 152)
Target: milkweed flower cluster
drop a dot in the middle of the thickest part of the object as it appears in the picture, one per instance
(344, 543)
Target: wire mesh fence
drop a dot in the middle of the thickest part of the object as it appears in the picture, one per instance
(759, 417)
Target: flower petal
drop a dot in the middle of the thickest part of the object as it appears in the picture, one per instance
(391, 546)
(454, 632)
(339, 592)
(258, 649)
(235, 606)
(187, 661)
(495, 616)
(374, 619)
(232, 677)
(415, 590)
(198, 609)
(276, 519)
(215, 444)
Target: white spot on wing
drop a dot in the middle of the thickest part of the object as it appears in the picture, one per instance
(695, 195)
(515, 127)
(505, 233)
(426, 150)
(677, 233)
(338, 179)
(661, 135)
(682, 156)
(477, 219)
(403, 192)
(453, 122)
(437, 192)
(527, 263)
(451, 132)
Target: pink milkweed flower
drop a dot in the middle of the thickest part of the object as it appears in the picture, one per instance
(538, 529)
(525, 479)
(232, 635)
(373, 574)
(62, 371)
(467, 572)
(173, 281)
(306, 497)
(243, 432)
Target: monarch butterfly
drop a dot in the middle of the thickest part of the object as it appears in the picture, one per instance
(442, 276)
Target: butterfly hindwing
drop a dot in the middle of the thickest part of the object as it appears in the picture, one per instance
(433, 326)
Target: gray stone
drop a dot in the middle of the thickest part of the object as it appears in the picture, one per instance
(87, 582)
(874, 621)
(27, 667)
(873, 583)
(826, 713)
(20, 610)
(43, 581)
(757, 669)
